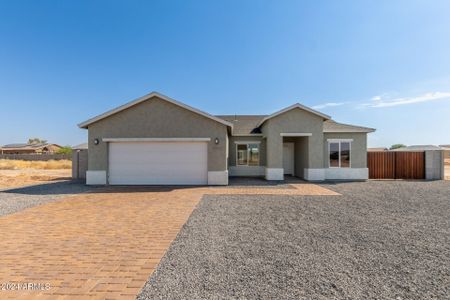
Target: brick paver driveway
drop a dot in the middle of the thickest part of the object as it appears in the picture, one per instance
(104, 244)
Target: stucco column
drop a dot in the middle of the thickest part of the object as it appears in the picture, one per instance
(315, 154)
(315, 169)
(274, 168)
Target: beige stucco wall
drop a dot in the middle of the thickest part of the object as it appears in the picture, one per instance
(232, 149)
(358, 151)
(161, 119)
(297, 121)
(300, 155)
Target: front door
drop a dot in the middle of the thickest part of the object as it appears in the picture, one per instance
(288, 158)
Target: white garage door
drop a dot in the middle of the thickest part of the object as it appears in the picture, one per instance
(159, 163)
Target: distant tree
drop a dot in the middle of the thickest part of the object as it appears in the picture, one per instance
(36, 141)
(396, 146)
(65, 150)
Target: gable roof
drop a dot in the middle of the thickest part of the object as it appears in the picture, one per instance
(85, 124)
(21, 145)
(332, 126)
(294, 106)
(244, 124)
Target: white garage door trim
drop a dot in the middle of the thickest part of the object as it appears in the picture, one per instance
(124, 140)
(158, 162)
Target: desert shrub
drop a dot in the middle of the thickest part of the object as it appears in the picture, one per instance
(397, 146)
(64, 150)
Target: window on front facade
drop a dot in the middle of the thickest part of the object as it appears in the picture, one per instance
(334, 155)
(339, 154)
(242, 155)
(247, 154)
(253, 154)
(345, 155)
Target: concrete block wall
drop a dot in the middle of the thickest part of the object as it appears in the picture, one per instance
(434, 165)
(34, 157)
(79, 164)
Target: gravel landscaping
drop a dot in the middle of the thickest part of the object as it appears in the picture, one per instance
(380, 239)
(14, 200)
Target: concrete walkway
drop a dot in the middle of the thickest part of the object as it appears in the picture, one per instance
(104, 244)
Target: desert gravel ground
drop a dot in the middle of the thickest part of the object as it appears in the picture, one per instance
(379, 240)
(17, 199)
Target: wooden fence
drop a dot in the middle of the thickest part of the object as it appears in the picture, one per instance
(43, 157)
(396, 165)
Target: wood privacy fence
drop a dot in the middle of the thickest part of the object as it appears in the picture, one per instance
(44, 157)
(396, 165)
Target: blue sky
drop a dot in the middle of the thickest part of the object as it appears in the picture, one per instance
(382, 64)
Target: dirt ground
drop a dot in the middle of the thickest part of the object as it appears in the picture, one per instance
(23, 177)
(17, 164)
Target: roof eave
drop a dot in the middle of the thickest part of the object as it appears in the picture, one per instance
(362, 130)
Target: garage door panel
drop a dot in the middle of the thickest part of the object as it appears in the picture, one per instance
(158, 163)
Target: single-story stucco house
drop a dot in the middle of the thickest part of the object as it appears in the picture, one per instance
(27, 148)
(156, 140)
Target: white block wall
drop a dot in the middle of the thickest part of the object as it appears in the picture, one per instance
(434, 165)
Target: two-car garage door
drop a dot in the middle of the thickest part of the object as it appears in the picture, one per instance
(158, 163)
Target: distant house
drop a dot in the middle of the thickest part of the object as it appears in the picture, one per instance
(413, 148)
(40, 148)
(445, 148)
(83, 146)
(379, 149)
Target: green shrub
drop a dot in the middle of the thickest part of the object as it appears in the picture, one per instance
(64, 150)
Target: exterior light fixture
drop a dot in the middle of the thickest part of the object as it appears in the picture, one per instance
(96, 141)
(216, 141)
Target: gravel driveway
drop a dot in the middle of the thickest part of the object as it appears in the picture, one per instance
(380, 239)
(14, 200)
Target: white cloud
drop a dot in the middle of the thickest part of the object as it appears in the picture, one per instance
(329, 104)
(388, 100)
(380, 102)
(376, 98)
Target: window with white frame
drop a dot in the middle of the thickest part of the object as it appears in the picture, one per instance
(247, 154)
(339, 153)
